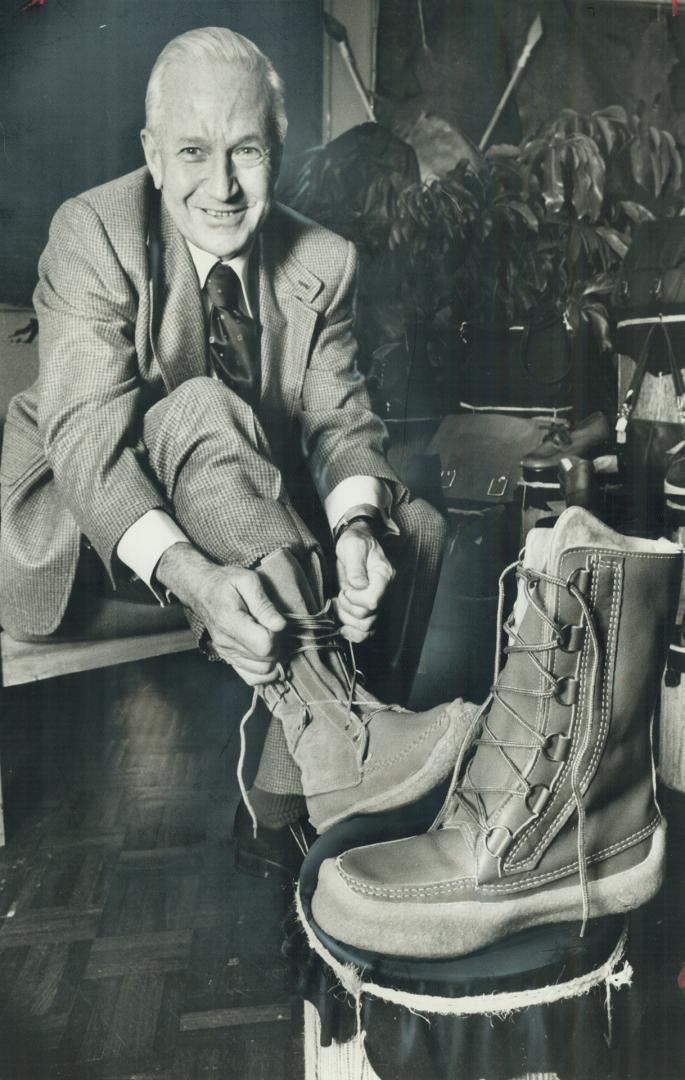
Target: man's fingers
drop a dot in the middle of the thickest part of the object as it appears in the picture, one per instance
(370, 597)
(259, 605)
(253, 678)
(364, 626)
(352, 565)
(353, 635)
(346, 608)
(248, 635)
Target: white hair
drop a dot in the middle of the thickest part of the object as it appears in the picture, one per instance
(216, 43)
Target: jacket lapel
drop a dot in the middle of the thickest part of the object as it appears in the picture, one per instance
(177, 324)
(287, 291)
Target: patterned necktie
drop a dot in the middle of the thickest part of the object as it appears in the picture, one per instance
(233, 336)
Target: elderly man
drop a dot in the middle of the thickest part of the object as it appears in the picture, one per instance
(196, 350)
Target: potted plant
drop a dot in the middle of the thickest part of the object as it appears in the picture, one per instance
(554, 222)
(498, 272)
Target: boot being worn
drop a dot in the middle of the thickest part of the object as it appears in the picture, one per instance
(554, 817)
(356, 755)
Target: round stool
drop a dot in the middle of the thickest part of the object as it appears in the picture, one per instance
(536, 1005)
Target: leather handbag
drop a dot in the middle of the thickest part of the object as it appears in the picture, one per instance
(537, 366)
(480, 455)
(651, 289)
(525, 368)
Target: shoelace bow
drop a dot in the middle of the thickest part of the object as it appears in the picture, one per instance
(305, 633)
(559, 434)
(458, 793)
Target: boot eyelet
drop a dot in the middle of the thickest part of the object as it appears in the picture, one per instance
(555, 746)
(537, 798)
(571, 638)
(499, 846)
(579, 579)
(566, 690)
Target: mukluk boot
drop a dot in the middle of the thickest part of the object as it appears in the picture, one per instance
(356, 755)
(551, 814)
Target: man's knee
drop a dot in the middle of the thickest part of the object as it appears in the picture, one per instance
(197, 408)
(197, 396)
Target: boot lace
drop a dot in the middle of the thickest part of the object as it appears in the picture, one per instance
(305, 633)
(467, 794)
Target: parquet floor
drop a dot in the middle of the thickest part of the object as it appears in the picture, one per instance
(129, 947)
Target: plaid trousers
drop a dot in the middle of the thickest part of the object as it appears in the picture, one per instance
(208, 451)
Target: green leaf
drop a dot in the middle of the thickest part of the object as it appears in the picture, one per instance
(599, 320)
(636, 211)
(666, 161)
(607, 132)
(553, 186)
(637, 162)
(655, 159)
(613, 239)
(613, 112)
(677, 175)
(657, 172)
(526, 213)
(582, 186)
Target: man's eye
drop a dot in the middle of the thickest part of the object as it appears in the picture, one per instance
(249, 153)
(190, 151)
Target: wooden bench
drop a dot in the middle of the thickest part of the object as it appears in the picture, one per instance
(25, 663)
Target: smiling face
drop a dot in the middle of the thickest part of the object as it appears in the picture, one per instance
(213, 156)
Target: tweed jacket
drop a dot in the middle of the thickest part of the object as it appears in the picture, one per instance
(121, 324)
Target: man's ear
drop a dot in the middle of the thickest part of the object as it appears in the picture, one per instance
(153, 157)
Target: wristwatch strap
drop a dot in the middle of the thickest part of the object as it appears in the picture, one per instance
(364, 512)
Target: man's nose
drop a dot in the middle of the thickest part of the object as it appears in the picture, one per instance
(223, 182)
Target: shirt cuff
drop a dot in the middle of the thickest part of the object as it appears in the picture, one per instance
(359, 491)
(143, 544)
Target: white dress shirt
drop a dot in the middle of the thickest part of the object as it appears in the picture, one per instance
(143, 544)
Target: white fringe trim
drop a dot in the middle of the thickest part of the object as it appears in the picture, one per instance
(499, 1004)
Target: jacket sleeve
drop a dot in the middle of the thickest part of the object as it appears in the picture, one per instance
(90, 396)
(342, 437)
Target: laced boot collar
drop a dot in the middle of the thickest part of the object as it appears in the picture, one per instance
(317, 632)
(470, 803)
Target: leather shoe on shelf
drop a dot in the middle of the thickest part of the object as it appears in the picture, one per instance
(588, 439)
(272, 852)
(674, 483)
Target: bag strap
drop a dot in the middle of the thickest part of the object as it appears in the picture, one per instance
(676, 374)
(639, 373)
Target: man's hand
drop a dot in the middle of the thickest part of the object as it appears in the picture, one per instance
(364, 574)
(231, 602)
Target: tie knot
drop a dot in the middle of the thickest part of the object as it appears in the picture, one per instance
(223, 287)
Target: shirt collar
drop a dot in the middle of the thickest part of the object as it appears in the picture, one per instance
(204, 262)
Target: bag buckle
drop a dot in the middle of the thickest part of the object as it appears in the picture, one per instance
(497, 486)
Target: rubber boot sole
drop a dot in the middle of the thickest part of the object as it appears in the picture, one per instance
(457, 928)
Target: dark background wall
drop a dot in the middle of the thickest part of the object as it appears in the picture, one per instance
(72, 85)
